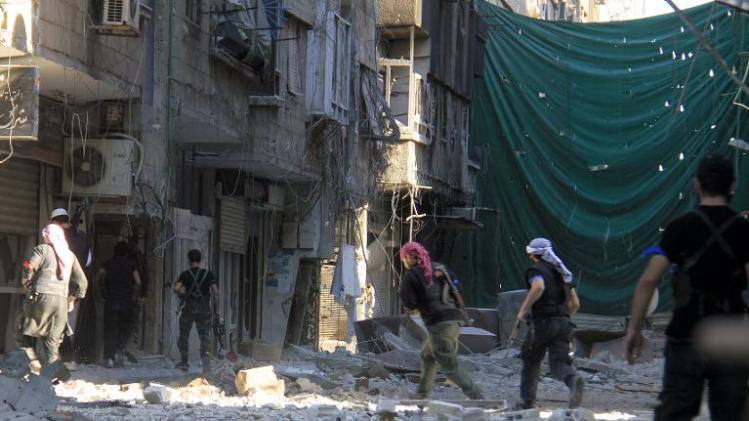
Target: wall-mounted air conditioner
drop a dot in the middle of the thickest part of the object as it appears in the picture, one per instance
(120, 17)
(99, 167)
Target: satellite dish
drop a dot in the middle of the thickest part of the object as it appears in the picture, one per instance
(653, 303)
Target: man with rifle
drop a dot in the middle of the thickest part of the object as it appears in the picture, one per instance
(430, 291)
(197, 289)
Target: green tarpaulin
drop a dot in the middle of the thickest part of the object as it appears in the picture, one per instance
(590, 136)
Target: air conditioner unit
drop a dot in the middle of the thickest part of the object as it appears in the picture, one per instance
(120, 17)
(99, 167)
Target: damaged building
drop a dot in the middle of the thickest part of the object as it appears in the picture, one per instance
(297, 144)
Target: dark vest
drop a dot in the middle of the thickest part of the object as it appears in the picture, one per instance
(553, 301)
(438, 296)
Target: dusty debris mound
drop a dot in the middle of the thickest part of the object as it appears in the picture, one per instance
(24, 395)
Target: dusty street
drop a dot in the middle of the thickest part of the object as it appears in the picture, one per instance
(333, 386)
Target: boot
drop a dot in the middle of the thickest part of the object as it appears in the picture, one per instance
(577, 386)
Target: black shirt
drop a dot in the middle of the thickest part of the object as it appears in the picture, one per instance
(187, 278)
(119, 283)
(682, 239)
(413, 295)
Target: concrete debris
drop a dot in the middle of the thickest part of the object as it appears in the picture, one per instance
(305, 385)
(15, 364)
(524, 415)
(32, 396)
(474, 340)
(158, 394)
(579, 414)
(361, 384)
(261, 380)
(445, 411)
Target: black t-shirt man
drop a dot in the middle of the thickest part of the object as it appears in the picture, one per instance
(684, 237)
(200, 292)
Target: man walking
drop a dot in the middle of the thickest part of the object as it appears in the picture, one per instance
(710, 249)
(121, 284)
(551, 300)
(197, 289)
(53, 279)
(420, 290)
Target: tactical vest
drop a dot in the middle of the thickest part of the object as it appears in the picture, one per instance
(553, 301)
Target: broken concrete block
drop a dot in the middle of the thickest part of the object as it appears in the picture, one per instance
(37, 396)
(361, 384)
(158, 393)
(474, 414)
(524, 415)
(306, 385)
(56, 371)
(474, 340)
(259, 380)
(386, 406)
(15, 364)
(445, 410)
(323, 411)
(579, 414)
(378, 371)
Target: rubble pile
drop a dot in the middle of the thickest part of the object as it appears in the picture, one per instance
(343, 386)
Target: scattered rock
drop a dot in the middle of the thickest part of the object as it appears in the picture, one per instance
(361, 384)
(198, 382)
(524, 415)
(158, 394)
(474, 414)
(377, 371)
(15, 364)
(307, 386)
(259, 380)
(579, 414)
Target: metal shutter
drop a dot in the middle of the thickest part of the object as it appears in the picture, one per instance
(19, 189)
(233, 233)
(332, 321)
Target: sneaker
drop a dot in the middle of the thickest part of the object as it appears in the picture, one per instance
(109, 363)
(576, 392)
(184, 366)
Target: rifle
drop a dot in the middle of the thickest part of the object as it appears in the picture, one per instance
(457, 296)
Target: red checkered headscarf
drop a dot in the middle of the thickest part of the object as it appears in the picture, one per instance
(421, 255)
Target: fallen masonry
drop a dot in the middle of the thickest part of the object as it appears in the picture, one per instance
(305, 384)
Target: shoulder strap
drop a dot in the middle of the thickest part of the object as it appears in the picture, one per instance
(716, 236)
(198, 279)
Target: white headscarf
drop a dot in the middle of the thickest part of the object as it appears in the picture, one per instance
(541, 247)
(55, 237)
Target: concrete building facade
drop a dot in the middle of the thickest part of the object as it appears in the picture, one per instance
(275, 136)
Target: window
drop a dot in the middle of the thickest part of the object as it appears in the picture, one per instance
(192, 11)
(341, 63)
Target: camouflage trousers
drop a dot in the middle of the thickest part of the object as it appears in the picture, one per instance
(202, 321)
(439, 352)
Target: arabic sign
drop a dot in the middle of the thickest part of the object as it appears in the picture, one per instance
(19, 102)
